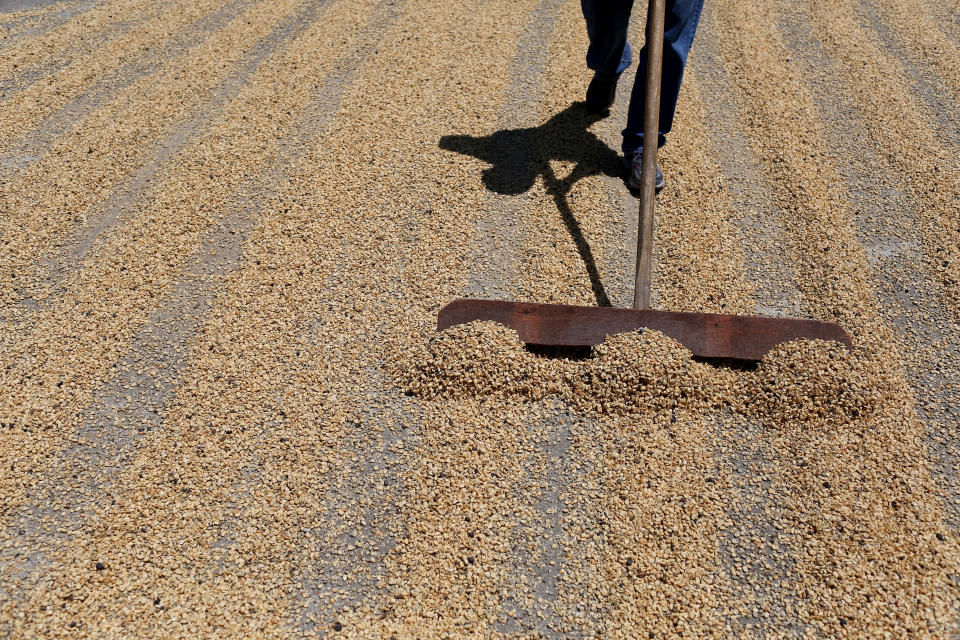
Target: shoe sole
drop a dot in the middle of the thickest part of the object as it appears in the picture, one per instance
(604, 111)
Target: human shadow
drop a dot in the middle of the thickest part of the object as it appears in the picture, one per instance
(518, 156)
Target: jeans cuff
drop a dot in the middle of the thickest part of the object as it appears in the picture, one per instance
(634, 144)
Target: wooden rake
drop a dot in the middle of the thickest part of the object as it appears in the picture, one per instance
(707, 335)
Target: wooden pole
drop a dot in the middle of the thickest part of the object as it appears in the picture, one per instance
(651, 137)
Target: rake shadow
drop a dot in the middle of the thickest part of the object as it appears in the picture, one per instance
(518, 156)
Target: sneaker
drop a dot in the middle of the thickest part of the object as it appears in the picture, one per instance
(634, 165)
(601, 93)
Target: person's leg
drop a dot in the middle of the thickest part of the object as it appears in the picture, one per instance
(680, 25)
(607, 20)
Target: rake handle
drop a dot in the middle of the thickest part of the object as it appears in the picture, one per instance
(648, 175)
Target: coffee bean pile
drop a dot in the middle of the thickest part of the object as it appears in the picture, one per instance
(802, 384)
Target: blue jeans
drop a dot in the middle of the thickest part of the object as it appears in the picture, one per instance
(609, 54)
